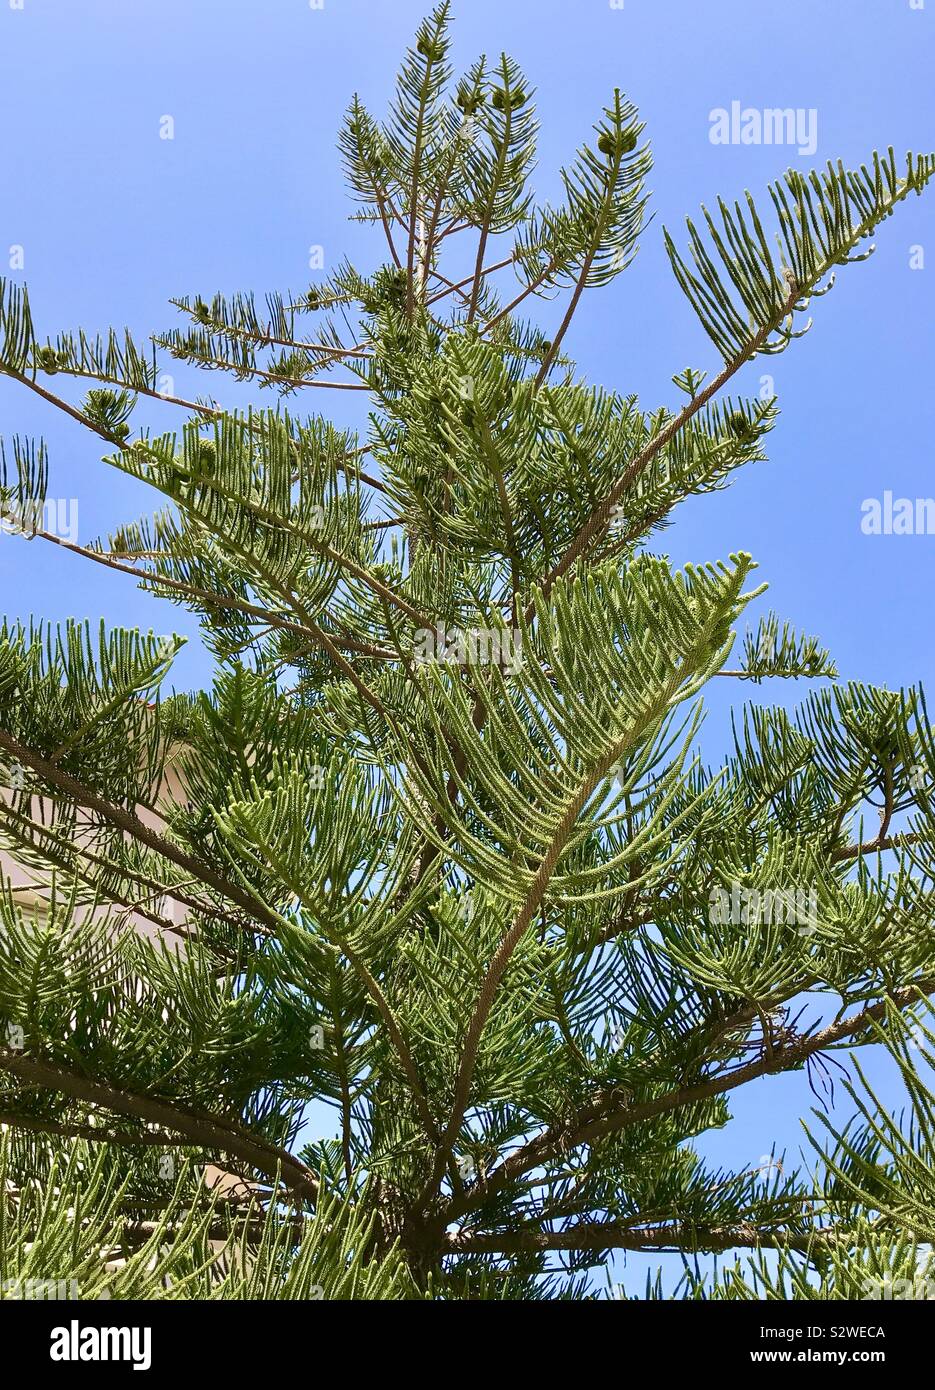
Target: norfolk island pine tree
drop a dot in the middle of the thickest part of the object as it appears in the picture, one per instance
(446, 852)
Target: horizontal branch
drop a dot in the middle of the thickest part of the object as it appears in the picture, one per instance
(882, 842)
(141, 1139)
(129, 822)
(206, 1131)
(117, 562)
(612, 1235)
(614, 1110)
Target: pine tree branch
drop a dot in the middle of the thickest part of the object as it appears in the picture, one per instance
(328, 552)
(138, 390)
(63, 860)
(382, 206)
(312, 632)
(881, 842)
(377, 994)
(432, 228)
(60, 404)
(161, 1139)
(261, 374)
(520, 926)
(523, 294)
(262, 339)
(494, 189)
(456, 287)
(613, 1235)
(116, 563)
(343, 1082)
(614, 1112)
(602, 220)
(417, 155)
(207, 1131)
(133, 826)
(207, 411)
(452, 289)
(600, 517)
(110, 895)
(276, 519)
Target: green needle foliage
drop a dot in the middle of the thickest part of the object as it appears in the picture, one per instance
(437, 849)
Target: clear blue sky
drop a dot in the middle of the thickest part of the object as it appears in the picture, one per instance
(113, 220)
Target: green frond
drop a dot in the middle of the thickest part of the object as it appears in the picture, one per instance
(17, 339)
(746, 294)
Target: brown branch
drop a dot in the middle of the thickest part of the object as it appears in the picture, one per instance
(142, 1139)
(597, 522)
(531, 288)
(457, 287)
(59, 403)
(151, 392)
(129, 822)
(386, 228)
(221, 364)
(452, 289)
(613, 1111)
(881, 842)
(206, 1131)
(612, 1235)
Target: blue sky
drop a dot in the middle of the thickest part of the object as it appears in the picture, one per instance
(112, 220)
